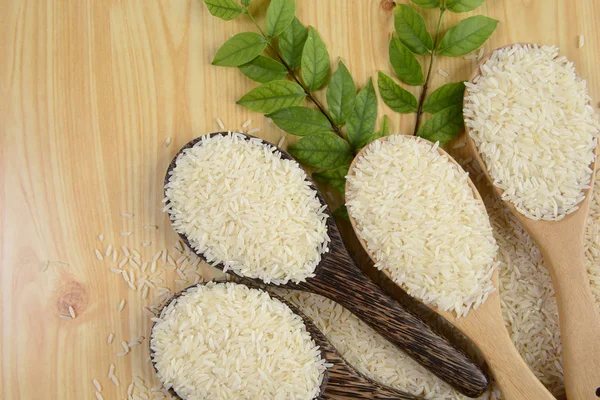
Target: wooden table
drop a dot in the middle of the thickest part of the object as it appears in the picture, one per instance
(90, 91)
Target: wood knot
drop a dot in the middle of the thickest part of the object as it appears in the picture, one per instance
(73, 294)
(387, 5)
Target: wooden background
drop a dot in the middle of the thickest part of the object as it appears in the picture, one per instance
(90, 91)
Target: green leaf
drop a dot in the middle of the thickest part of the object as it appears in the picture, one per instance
(396, 98)
(411, 29)
(334, 177)
(315, 61)
(450, 94)
(301, 121)
(342, 213)
(263, 69)
(443, 126)
(361, 122)
(224, 9)
(280, 15)
(291, 42)
(427, 3)
(341, 94)
(240, 49)
(384, 130)
(405, 64)
(459, 6)
(324, 151)
(467, 36)
(246, 3)
(272, 96)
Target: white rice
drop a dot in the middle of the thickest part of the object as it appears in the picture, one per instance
(580, 41)
(227, 341)
(240, 204)
(281, 141)
(220, 123)
(420, 220)
(480, 54)
(443, 73)
(531, 119)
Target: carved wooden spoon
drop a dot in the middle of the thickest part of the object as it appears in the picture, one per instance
(561, 244)
(484, 326)
(341, 280)
(340, 380)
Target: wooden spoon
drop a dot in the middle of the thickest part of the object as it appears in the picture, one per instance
(561, 245)
(484, 326)
(340, 380)
(338, 278)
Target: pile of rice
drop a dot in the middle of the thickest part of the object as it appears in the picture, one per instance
(240, 204)
(227, 341)
(422, 224)
(531, 119)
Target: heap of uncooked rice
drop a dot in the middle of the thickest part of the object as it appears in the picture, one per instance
(422, 223)
(531, 119)
(227, 341)
(240, 204)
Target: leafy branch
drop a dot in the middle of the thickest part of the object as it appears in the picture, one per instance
(412, 39)
(330, 136)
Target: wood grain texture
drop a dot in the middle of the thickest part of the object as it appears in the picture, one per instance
(90, 90)
(341, 380)
(338, 278)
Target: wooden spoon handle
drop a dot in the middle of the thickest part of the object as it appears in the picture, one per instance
(514, 378)
(512, 375)
(346, 284)
(345, 383)
(578, 319)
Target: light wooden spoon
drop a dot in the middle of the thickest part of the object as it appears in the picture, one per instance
(340, 380)
(338, 278)
(484, 326)
(561, 244)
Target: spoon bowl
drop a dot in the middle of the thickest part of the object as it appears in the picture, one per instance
(340, 380)
(338, 278)
(561, 244)
(484, 326)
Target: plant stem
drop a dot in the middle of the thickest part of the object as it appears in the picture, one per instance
(426, 84)
(291, 72)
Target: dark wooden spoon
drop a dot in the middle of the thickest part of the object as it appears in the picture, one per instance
(340, 380)
(338, 278)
